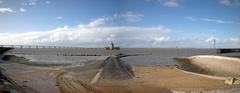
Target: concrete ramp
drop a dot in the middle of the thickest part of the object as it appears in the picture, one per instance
(114, 68)
(210, 65)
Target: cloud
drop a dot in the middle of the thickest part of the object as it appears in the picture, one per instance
(47, 2)
(202, 42)
(22, 10)
(190, 18)
(232, 42)
(95, 23)
(167, 3)
(171, 3)
(97, 34)
(59, 18)
(229, 2)
(30, 2)
(225, 2)
(235, 40)
(129, 16)
(161, 39)
(90, 35)
(216, 21)
(210, 39)
(6, 10)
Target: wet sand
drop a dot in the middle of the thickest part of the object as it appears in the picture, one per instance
(154, 72)
(146, 80)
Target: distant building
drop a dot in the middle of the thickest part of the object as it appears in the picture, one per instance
(112, 47)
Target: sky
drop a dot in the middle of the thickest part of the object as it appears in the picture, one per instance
(127, 23)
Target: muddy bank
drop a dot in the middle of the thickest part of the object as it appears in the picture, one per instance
(3, 50)
(7, 85)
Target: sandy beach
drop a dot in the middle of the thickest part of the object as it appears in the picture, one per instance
(77, 77)
(147, 79)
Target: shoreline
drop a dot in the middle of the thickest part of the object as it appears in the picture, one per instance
(150, 78)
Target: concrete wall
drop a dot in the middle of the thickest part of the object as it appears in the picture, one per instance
(211, 65)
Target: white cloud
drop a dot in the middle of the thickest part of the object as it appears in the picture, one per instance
(88, 35)
(216, 21)
(229, 2)
(97, 22)
(6, 10)
(232, 42)
(22, 10)
(47, 2)
(129, 16)
(162, 39)
(190, 18)
(210, 39)
(59, 18)
(225, 2)
(235, 40)
(171, 3)
(94, 23)
(167, 3)
(197, 42)
(31, 2)
(96, 34)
